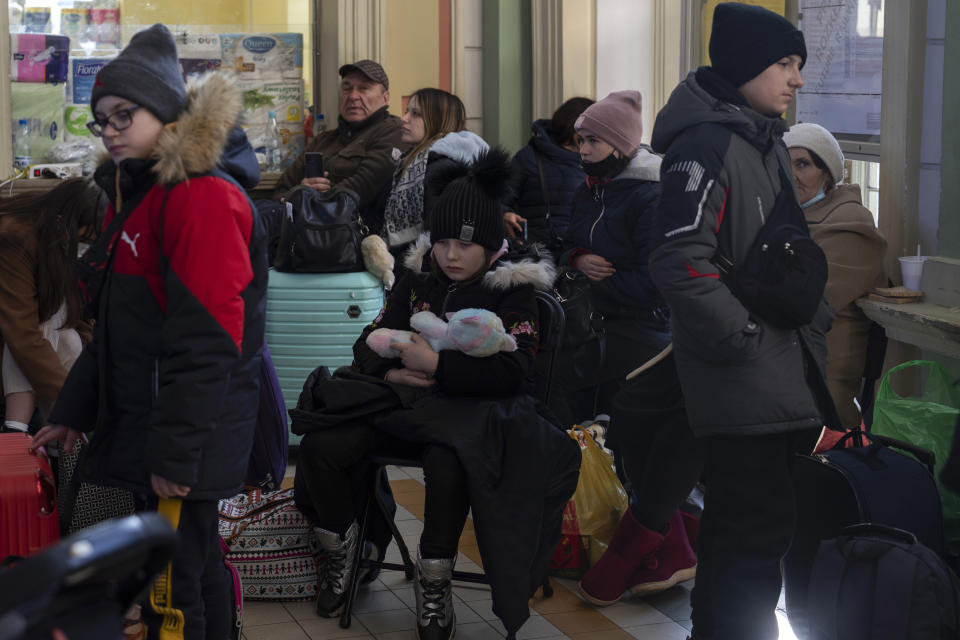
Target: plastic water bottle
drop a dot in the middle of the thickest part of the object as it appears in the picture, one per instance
(319, 125)
(271, 144)
(21, 146)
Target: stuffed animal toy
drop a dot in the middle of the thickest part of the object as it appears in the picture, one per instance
(475, 332)
(380, 340)
(378, 260)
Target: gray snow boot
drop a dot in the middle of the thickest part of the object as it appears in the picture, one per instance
(334, 569)
(435, 615)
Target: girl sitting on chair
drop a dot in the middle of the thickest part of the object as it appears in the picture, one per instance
(469, 420)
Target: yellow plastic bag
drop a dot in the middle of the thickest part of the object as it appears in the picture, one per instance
(600, 500)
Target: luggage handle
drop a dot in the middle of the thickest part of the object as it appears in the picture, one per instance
(865, 528)
(925, 456)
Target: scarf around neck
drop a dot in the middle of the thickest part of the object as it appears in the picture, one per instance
(403, 215)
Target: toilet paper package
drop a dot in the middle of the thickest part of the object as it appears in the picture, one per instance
(263, 55)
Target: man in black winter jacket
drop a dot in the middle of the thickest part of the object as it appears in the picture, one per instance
(745, 381)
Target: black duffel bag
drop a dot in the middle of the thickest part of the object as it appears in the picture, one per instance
(322, 234)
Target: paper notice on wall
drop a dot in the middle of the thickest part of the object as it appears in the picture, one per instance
(842, 77)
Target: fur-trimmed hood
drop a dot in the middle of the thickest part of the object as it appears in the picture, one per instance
(462, 146)
(510, 270)
(207, 134)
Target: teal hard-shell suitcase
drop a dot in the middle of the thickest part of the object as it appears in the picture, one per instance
(313, 319)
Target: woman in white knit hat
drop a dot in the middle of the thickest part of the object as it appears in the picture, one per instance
(845, 230)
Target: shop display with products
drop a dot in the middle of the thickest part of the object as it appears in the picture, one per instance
(285, 98)
(58, 48)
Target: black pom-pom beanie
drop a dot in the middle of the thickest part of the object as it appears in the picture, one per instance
(469, 205)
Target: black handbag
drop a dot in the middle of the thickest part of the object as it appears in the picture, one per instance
(784, 274)
(583, 323)
(321, 233)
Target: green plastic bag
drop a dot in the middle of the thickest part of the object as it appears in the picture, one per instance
(928, 421)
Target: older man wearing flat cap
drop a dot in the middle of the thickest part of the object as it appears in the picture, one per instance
(357, 154)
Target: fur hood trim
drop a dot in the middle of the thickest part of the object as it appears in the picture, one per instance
(645, 165)
(462, 146)
(508, 272)
(413, 258)
(194, 143)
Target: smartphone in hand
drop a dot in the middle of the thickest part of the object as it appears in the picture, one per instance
(313, 164)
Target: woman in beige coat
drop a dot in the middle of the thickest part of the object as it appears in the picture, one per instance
(845, 230)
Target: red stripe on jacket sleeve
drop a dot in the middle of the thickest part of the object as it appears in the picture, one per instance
(208, 224)
(723, 208)
(693, 273)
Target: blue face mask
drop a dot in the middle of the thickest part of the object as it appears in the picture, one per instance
(814, 200)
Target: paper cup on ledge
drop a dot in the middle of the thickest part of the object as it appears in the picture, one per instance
(911, 268)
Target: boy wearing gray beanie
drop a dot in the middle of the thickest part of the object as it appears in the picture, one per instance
(748, 384)
(176, 282)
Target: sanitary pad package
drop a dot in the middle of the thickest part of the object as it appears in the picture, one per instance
(38, 57)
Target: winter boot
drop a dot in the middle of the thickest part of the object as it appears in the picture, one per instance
(334, 569)
(632, 546)
(673, 562)
(435, 616)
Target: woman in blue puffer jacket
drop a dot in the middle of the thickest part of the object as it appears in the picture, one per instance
(544, 205)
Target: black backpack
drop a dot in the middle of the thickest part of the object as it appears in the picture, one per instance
(322, 232)
(878, 583)
(783, 276)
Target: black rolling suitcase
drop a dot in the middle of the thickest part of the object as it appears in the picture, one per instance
(863, 484)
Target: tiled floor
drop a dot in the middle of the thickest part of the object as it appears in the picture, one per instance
(385, 608)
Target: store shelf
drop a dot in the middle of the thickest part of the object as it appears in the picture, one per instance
(41, 185)
(19, 187)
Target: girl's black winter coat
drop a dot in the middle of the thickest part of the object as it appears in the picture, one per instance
(521, 469)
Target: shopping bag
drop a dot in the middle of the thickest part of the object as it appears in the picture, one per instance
(928, 421)
(592, 515)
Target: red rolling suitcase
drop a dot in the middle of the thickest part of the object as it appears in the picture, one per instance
(28, 498)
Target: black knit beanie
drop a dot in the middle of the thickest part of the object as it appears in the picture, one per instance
(146, 72)
(468, 205)
(747, 39)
